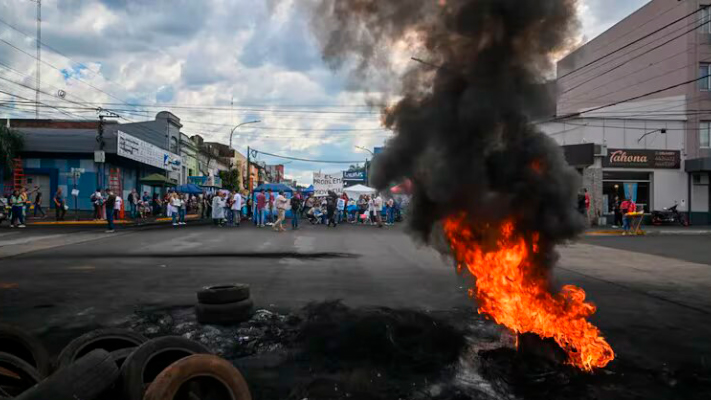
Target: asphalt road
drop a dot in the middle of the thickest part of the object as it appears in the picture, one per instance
(653, 293)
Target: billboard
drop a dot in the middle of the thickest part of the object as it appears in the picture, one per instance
(139, 150)
(323, 183)
(354, 176)
(634, 158)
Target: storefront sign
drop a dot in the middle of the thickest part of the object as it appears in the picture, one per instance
(146, 153)
(354, 176)
(206, 181)
(324, 183)
(633, 158)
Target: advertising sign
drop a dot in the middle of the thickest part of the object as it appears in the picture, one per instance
(634, 158)
(324, 183)
(146, 153)
(354, 176)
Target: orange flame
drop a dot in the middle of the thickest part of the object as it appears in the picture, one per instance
(512, 291)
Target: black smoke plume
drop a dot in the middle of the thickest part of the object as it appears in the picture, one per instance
(463, 122)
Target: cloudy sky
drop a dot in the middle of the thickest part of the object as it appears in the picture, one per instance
(213, 63)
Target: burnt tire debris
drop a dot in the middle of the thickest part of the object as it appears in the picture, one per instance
(16, 376)
(111, 339)
(87, 379)
(223, 294)
(224, 305)
(19, 343)
(152, 357)
(229, 313)
(202, 376)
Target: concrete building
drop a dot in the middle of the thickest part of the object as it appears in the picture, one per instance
(189, 154)
(634, 109)
(68, 154)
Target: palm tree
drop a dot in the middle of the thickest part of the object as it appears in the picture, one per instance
(11, 142)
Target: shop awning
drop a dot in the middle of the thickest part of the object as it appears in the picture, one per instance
(157, 180)
(698, 165)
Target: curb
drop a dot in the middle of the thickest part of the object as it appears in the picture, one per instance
(122, 222)
(654, 232)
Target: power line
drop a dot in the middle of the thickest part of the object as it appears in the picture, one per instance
(305, 159)
(630, 44)
(631, 59)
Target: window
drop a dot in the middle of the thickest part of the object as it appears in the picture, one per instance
(705, 19)
(622, 184)
(704, 79)
(705, 134)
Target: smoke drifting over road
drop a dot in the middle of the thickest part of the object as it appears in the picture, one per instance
(463, 121)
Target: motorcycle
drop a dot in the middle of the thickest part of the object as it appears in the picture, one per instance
(4, 210)
(669, 216)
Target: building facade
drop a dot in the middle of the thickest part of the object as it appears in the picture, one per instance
(74, 156)
(640, 95)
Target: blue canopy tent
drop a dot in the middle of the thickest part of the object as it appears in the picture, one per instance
(308, 190)
(276, 188)
(188, 188)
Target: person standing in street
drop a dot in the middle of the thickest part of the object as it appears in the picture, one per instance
(261, 208)
(618, 213)
(97, 200)
(295, 209)
(132, 202)
(378, 206)
(182, 210)
(38, 202)
(280, 203)
(308, 205)
(270, 199)
(236, 208)
(117, 207)
(173, 207)
(341, 207)
(16, 207)
(110, 207)
(59, 207)
(390, 212)
(218, 209)
(628, 206)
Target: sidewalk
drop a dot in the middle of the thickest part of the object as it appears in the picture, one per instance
(124, 222)
(652, 230)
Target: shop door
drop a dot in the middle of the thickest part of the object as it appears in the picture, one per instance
(43, 182)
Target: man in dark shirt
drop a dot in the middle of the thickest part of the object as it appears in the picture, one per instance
(38, 202)
(261, 208)
(110, 204)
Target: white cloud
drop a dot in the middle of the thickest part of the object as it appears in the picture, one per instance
(206, 53)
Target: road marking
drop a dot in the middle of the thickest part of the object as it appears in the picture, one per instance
(26, 240)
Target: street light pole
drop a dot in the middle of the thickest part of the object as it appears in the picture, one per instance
(233, 131)
(367, 177)
(243, 123)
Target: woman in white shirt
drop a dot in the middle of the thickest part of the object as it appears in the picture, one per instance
(218, 208)
(174, 207)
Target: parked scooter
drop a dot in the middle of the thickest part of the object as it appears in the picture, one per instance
(669, 216)
(4, 209)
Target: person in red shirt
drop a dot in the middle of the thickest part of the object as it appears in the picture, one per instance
(261, 208)
(627, 206)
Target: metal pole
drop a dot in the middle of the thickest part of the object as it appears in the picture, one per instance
(76, 198)
(249, 173)
(38, 73)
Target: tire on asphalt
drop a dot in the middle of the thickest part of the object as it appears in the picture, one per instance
(213, 376)
(152, 357)
(224, 314)
(16, 375)
(26, 347)
(120, 356)
(111, 339)
(86, 379)
(223, 294)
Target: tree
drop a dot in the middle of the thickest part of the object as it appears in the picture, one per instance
(230, 179)
(11, 143)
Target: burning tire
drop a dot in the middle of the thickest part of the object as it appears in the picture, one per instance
(201, 377)
(224, 313)
(150, 359)
(24, 346)
(16, 375)
(105, 339)
(85, 379)
(223, 294)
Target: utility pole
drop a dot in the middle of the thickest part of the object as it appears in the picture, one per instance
(38, 73)
(249, 173)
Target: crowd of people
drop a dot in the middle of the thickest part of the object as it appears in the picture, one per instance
(224, 207)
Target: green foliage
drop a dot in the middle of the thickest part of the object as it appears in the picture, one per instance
(230, 179)
(11, 143)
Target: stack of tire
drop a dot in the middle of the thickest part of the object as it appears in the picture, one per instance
(224, 304)
(115, 364)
